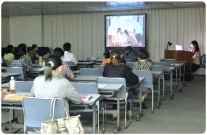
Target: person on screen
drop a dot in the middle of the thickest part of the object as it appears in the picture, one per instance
(131, 39)
(119, 39)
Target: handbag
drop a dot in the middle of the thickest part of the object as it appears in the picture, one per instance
(67, 125)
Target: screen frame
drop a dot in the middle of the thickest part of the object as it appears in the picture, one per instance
(122, 49)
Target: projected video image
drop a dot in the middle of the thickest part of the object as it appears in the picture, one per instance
(125, 30)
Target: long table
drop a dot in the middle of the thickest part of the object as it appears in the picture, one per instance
(17, 105)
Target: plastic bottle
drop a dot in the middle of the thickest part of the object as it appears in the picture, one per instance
(40, 61)
(12, 85)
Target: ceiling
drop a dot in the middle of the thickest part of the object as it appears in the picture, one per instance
(48, 8)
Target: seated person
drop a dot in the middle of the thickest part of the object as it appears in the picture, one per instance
(130, 54)
(9, 56)
(51, 84)
(118, 69)
(20, 61)
(68, 56)
(66, 71)
(33, 54)
(143, 64)
(107, 58)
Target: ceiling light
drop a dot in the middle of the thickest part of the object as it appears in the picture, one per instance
(117, 3)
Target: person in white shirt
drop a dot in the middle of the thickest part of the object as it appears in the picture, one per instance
(68, 56)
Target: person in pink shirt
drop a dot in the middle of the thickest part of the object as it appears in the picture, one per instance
(66, 72)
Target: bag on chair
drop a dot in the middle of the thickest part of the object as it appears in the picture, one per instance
(67, 125)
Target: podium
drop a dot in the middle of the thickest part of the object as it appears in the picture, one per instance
(184, 56)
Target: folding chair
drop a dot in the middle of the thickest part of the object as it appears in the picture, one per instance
(23, 86)
(113, 95)
(16, 70)
(88, 88)
(129, 64)
(147, 84)
(91, 71)
(37, 110)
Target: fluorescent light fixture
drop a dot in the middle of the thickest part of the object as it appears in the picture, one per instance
(116, 3)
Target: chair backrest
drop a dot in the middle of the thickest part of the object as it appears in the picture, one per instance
(23, 86)
(16, 70)
(86, 88)
(91, 71)
(204, 58)
(164, 64)
(101, 67)
(129, 64)
(37, 110)
(148, 81)
(110, 80)
(70, 63)
(168, 60)
(149, 60)
(158, 68)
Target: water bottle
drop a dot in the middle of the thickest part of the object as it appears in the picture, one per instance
(12, 85)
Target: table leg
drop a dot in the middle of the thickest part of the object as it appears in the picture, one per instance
(171, 79)
(94, 117)
(163, 87)
(118, 109)
(158, 91)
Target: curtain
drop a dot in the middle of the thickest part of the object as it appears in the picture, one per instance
(85, 31)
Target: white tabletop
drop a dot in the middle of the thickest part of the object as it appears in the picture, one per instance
(4, 74)
(95, 97)
(110, 87)
(85, 78)
(168, 68)
(156, 72)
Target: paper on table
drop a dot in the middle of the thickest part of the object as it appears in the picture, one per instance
(101, 85)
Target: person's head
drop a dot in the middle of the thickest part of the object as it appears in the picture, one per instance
(59, 52)
(118, 30)
(194, 44)
(34, 47)
(115, 57)
(126, 32)
(107, 55)
(67, 46)
(9, 49)
(20, 51)
(53, 65)
(143, 54)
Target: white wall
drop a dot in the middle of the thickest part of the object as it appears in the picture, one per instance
(26, 29)
(5, 30)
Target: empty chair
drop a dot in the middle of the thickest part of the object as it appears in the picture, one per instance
(122, 95)
(91, 71)
(23, 86)
(129, 64)
(17, 70)
(147, 84)
(37, 110)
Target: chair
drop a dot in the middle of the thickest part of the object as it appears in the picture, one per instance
(166, 73)
(147, 84)
(101, 67)
(16, 70)
(129, 64)
(91, 71)
(160, 68)
(37, 110)
(88, 88)
(122, 95)
(23, 86)
(149, 60)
